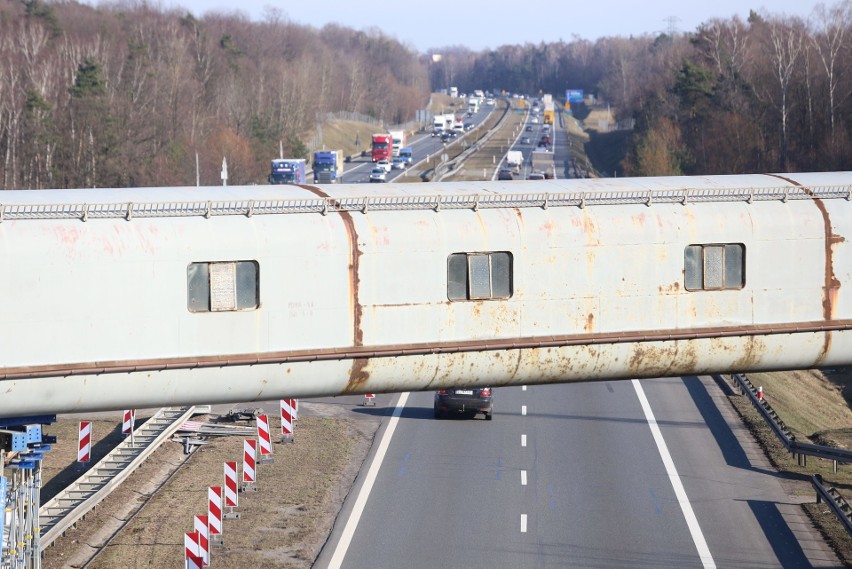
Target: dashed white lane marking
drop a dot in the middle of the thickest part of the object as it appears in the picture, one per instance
(523, 388)
(523, 523)
(523, 477)
(523, 409)
(523, 440)
(364, 493)
(674, 478)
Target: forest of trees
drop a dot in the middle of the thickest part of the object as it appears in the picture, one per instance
(768, 94)
(130, 94)
(127, 95)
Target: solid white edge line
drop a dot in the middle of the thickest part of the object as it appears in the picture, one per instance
(674, 478)
(352, 523)
(523, 477)
(523, 409)
(523, 523)
(523, 440)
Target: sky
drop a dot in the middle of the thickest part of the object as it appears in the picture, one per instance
(487, 24)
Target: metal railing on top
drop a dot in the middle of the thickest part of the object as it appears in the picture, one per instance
(130, 210)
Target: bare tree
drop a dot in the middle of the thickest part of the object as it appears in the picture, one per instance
(831, 27)
(785, 43)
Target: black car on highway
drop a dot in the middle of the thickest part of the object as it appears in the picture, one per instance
(464, 401)
(505, 174)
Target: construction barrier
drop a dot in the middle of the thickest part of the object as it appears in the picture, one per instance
(231, 496)
(214, 512)
(200, 525)
(192, 554)
(287, 420)
(249, 464)
(369, 399)
(84, 446)
(263, 435)
(129, 421)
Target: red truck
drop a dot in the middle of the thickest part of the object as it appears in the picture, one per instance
(382, 147)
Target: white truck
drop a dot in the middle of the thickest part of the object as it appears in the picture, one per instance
(442, 122)
(514, 159)
(473, 105)
(398, 137)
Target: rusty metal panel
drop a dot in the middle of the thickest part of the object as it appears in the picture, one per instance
(99, 281)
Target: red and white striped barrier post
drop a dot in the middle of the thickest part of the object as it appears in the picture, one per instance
(128, 424)
(214, 513)
(84, 442)
(192, 554)
(287, 421)
(231, 496)
(203, 538)
(264, 438)
(760, 393)
(295, 409)
(249, 465)
(369, 399)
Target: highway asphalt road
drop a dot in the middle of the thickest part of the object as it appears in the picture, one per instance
(422, 145)
(622, 474)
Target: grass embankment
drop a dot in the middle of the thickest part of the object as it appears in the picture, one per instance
(606, 150)
(355, 137)
(814, 406)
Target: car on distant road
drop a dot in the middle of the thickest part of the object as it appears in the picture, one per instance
(535, 176)
(464, 401)
(505, 174)
(534, 120)
(383, 163)
(529, 128)
(398, 163)
(378, 174)
(525, 140)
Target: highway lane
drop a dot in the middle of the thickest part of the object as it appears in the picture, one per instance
(422, 145)
(572, 476)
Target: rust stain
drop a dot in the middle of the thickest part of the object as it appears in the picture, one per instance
(639, 219)
(590, 323)
(590, 228)
(548, 227)
(753, 351)
(669, 289)
(831, 289)
(357, 373)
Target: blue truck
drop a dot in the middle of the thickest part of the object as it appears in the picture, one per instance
(328, 166)
(288, 171)
(407, 155)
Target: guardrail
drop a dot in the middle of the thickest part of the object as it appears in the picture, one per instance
(835, 501)
(441, 170)
(66, 508)
(788, 439)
